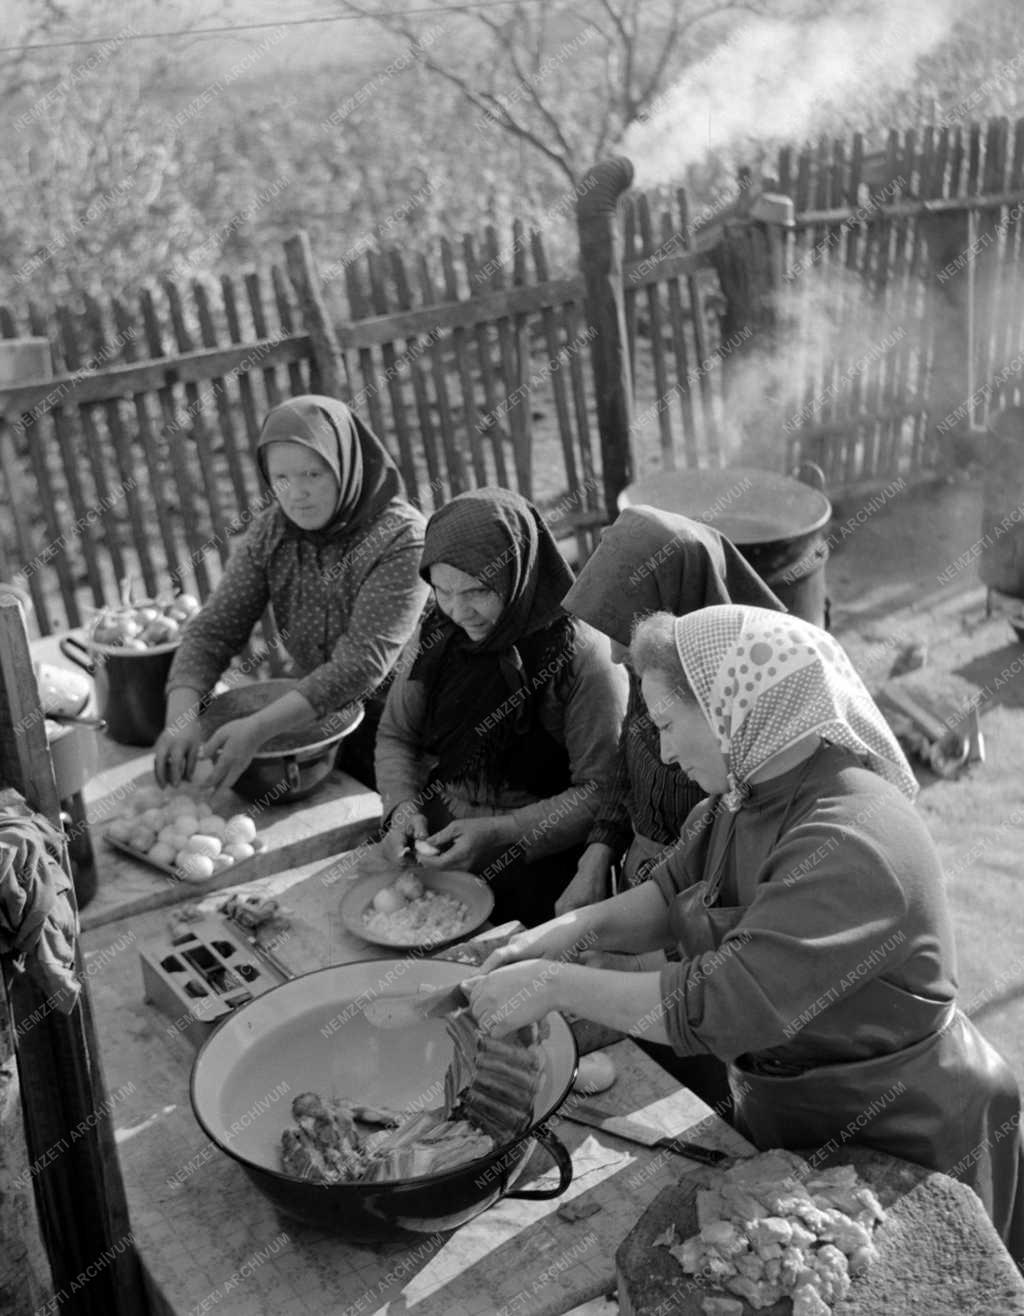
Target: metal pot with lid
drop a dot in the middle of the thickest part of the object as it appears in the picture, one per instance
(292, 764)
(778, 523)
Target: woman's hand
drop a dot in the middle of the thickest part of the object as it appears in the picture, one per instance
(405, 828)
(590, 883)
(176, 752)
(564, 938)
(231, 749)
(508, 998)
(470, 844)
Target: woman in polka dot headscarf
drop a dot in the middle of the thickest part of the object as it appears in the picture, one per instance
(807, 902)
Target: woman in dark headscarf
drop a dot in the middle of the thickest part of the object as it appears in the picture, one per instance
(500, 728)
(335, 553)
(648, 561)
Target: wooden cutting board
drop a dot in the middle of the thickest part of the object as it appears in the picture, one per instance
(938, 1252)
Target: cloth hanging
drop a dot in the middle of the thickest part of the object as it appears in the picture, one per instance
(38, 917)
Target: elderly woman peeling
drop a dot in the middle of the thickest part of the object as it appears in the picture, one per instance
(807, 903)
(336, 556)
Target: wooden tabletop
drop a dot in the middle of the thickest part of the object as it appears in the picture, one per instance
(210, 1242)
(338, 816)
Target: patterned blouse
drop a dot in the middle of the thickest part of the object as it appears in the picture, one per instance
(344, 606)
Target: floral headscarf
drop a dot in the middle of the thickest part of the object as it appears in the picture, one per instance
(765, 680)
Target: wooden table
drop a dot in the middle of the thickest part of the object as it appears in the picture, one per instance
(210, 1243)
(342, 813)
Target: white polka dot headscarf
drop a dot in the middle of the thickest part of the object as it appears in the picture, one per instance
(764, 680)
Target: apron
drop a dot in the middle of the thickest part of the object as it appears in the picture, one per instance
(641, 848)
(937, 1094)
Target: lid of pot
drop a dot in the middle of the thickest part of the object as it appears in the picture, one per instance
(747, 505)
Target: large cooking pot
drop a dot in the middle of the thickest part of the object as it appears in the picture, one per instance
(308, 1036)
(779, 524)
(292, 764)
(129, 686)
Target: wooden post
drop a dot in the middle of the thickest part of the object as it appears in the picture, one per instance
(331, 363)
(601, 265)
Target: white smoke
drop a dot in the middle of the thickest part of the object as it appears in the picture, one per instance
(771, 79)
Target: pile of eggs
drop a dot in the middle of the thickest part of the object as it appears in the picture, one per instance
(175, 827)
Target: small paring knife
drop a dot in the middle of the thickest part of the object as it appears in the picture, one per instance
(413, 1008)
(633, 1130)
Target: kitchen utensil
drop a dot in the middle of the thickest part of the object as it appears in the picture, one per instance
(204, 974)
(634, 1130)
(292, 764)
(310, 1035)
(62, 691)
(74, 753)
(474, 893)
(404, 1011)
(129, 686)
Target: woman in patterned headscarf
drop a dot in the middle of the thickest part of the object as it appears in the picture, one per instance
(335, 553)
(499, 731)
(808, 905)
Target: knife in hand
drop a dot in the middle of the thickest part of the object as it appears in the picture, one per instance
(633, 1130)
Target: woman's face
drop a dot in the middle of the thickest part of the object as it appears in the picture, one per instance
(686, 738)
(302, 483)
(469, 603)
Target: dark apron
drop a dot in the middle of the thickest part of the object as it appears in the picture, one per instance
(936, 1093)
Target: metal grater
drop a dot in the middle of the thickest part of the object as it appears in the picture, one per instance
(206, 972)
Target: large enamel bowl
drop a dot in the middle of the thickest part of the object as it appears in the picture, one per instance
(310, 1035)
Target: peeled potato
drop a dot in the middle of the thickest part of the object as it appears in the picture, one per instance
(141, 838)
(200, 843)
(152, 818)
(214, 826)
(162, 853)
(121, 830)
(148, 797)
(596, 1073)
(409, 886)
(194, 867)
(181, 804)
(238, 850)
(187, 824)
(387, 900)
(204, 808)
(424, 847)
(240, 829)
(222, 861)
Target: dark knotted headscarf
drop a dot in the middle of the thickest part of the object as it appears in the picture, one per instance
(483, 695)
(366, 476)
(653, 561)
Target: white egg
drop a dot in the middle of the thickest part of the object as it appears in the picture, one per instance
(238, 850)
(162, 853)
(194, 867)
(202, 844)
(240, 828)
(596, 1073)
(387, 900)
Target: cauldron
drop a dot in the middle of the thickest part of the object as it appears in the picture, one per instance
(779, 524)
(310, 1035)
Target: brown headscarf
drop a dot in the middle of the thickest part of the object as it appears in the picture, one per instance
(365, 473)
(653, 561)
(500, 539)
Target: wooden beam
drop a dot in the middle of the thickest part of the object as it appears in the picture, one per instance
(908, 209)
(87, 386)
(333, 369)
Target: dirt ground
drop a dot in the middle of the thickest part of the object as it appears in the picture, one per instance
(887, 599)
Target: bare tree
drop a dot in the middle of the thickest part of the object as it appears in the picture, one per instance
(563, 76)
